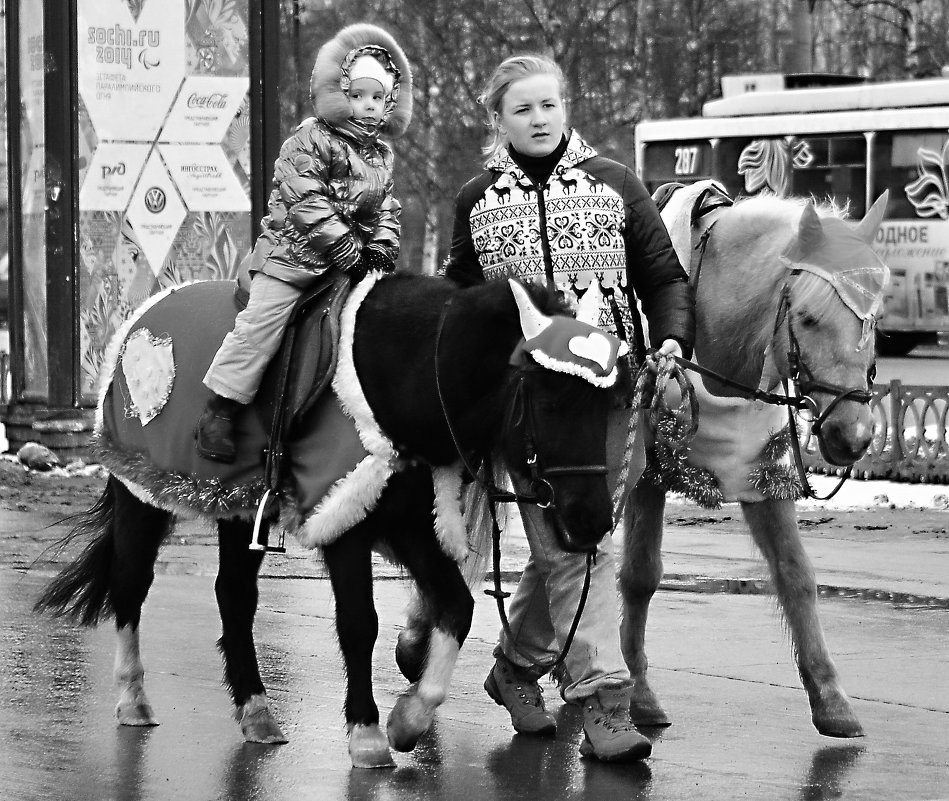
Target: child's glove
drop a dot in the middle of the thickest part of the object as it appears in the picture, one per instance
(374, 257)
(343, 254)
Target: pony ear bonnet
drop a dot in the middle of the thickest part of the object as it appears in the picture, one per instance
(566, 345)
(867, 227)
(533, 320)
(810, 234)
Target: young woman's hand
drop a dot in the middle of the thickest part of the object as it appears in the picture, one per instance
(670, 348)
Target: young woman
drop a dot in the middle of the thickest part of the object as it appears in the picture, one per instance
(548, 208)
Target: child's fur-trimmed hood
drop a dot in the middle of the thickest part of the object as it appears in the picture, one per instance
(329, 101)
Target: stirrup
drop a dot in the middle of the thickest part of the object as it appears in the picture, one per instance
(255, 543)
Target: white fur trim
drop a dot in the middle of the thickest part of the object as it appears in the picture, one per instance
(449, 524)
(570, 368)
(346, 504)
(352, 497)
(346, 382)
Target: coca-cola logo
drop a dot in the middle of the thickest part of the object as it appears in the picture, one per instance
(214, 100)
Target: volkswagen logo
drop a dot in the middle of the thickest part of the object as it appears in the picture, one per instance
(155, 200)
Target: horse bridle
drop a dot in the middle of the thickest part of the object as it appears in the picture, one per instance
(800, 377)
(542, 493)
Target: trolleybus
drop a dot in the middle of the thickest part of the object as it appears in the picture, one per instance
(848, 143)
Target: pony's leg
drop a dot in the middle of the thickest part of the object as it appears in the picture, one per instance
(774, 528)
(445, 593)
(414, 640)
(112, 576)
(349, 562)
(137, 532)
(639, 575)
(236, 591)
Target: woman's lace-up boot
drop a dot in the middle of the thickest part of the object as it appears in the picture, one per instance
(609, 733)
(515, 690)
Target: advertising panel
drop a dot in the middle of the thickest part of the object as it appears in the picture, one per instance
(164, 152)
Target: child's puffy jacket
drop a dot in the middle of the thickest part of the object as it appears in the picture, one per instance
(328, 182)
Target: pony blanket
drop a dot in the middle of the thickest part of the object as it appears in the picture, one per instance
(152, 396)
(734, 434)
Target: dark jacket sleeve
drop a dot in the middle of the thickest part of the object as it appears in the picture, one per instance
(654, 271)
(462, 265)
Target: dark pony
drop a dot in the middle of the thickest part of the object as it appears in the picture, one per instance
(435, 366)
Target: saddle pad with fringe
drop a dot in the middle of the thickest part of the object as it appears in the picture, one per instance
(154, 396)
(339, 462)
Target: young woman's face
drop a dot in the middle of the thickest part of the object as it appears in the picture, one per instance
(367, 100)
(532, 115)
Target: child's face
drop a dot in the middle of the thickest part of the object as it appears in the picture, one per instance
(367, 100)
(532, 115)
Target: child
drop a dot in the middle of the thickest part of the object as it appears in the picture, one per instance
(331, 208)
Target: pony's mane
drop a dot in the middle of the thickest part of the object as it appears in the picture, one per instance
(762, 225)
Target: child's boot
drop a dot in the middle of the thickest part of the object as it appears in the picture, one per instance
(215, 436)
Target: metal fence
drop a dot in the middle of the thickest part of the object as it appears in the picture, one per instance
(909, 436)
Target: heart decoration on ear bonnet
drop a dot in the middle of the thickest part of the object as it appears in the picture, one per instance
(331, 76)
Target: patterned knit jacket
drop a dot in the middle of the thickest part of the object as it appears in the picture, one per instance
(593, 220)
(328, 180)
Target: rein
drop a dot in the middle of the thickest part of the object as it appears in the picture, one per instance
(542, 495)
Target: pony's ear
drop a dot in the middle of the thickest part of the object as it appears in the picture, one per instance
(533, 320)
(867, 227)
(810, 231)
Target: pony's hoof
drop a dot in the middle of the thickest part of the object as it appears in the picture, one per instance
(258, 724)
(645, 709)
(133, 709)
(368, 748)
(410, 719)
(836, 719)
(410, 651)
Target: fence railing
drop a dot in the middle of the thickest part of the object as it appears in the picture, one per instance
(910, 442)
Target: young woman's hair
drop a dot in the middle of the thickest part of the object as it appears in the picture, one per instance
(508, 71)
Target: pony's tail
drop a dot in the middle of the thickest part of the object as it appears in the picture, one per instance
(81, 591)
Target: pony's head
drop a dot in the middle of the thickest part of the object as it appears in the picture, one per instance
(832, 296)
(554, 436)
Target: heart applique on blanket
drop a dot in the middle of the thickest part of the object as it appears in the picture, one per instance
(149, 367)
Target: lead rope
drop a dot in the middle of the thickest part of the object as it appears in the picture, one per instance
(668, 369)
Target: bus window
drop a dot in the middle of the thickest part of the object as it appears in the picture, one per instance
(835, 167)
(901, 160)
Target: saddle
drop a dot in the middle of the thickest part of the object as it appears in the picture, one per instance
(303, 367)
(712, 198)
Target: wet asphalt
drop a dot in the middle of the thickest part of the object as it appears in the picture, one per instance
(741, 726)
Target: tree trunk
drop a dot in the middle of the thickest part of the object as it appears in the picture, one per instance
(800, 56)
